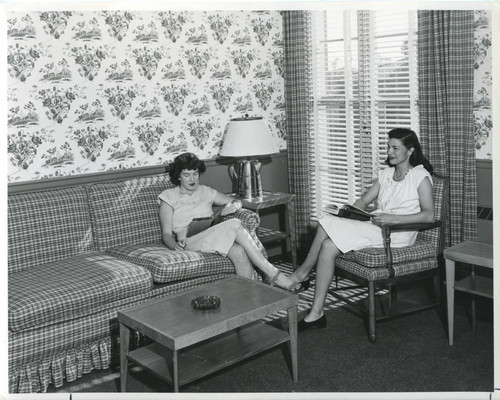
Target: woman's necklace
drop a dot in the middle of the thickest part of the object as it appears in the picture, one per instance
(399, 179)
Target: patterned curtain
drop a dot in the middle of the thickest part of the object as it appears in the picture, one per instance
(297, 67)
(446, 67)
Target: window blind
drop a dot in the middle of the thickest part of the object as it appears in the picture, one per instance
(364, 84)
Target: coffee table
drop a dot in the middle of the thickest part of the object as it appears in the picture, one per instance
(189, 344)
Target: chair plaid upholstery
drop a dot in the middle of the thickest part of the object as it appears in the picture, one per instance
(373, 274)
(427, 244)
(67, 289)
(375, 257)
(127, 212)
(369, 267)
(166, 265)
(47, 226)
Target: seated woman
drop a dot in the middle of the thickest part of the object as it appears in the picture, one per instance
(189, 200)
(404, 195)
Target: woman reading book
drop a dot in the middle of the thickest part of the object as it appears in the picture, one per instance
(180, 205)
(403, 194)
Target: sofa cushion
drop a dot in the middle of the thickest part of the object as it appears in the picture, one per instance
(126, 212)
(70, 288)
(374, 257)
(168, 265)
(47, 226)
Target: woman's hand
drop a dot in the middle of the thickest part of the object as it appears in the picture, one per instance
(384, 219)
(180, 245)
(232, 207)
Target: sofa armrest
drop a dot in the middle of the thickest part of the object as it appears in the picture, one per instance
(249, 219)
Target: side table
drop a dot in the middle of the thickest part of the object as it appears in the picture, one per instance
(286, 203)
(474, 253)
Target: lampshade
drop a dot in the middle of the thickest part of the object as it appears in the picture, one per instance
(248, 137)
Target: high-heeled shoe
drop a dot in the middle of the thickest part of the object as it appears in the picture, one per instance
(304, 285)
(317, 323)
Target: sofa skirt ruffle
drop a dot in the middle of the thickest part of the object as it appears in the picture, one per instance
(70, 365)
(67, 366)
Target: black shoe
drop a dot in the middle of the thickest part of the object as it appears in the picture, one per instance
(304, 285)
(317, 323)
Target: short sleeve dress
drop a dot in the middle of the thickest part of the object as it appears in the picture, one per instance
(198, 204)
(394, 197)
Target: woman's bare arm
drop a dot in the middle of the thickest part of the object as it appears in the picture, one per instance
(232, 204)
(370, 195)
(166, 218)
(222, 199)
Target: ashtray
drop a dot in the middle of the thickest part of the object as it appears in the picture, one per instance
(205, 302)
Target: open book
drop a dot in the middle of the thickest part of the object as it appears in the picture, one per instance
(198, 225)
(347, 211)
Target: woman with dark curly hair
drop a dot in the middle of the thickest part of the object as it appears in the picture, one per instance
(189, 200)
(404, 195)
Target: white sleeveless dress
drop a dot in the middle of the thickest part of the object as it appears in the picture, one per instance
(216, 239)
(393, 198)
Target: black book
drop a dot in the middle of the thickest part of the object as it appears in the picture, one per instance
(348, 211)
(198, 225)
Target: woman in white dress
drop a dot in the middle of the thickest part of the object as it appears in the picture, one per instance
(403, 194)
(189, 200)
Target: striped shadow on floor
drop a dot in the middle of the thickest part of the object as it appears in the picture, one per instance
(306, 297)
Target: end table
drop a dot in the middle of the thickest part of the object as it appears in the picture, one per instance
(473, 253)
(285, 203)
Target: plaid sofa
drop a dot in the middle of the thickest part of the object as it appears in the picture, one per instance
(75, 256)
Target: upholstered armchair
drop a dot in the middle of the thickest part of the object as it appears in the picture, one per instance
(382, 268)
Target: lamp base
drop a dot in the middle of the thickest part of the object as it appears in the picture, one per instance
(248, 179)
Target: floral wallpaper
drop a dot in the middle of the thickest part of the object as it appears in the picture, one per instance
(93, 91)
(483, 123)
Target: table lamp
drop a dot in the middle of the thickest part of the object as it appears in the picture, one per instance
(246, 137)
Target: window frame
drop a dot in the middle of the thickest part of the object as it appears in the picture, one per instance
(364, 137)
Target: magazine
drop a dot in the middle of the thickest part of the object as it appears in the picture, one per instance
(348, 211)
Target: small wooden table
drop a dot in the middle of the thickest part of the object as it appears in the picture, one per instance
(189, 343)
(474, 253)
(286, 201)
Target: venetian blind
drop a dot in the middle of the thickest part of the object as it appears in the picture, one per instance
(364, 84)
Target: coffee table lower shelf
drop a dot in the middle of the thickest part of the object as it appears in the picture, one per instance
(210, 355)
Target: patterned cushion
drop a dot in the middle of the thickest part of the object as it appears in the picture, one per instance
(373, 274)
(168, 265)
(47, 226)
(70, 288)
(126, 212)
(375, 257)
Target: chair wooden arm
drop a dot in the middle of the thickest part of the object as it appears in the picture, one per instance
(386, 233)
(413, 226)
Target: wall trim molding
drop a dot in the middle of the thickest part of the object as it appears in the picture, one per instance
(484, 164)
(66, 181)
(109, 176)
